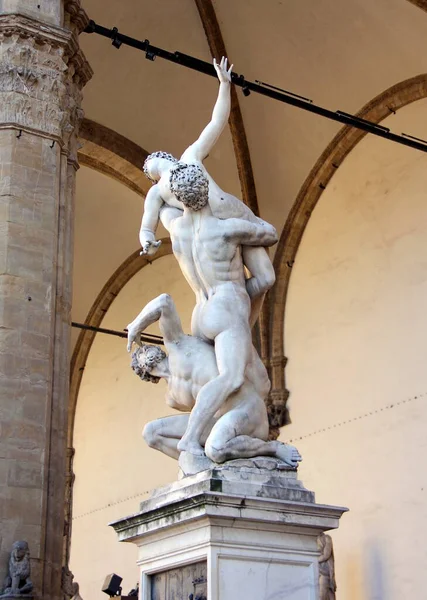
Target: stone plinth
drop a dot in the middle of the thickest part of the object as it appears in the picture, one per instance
(255, 527)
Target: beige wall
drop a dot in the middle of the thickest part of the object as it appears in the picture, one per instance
(356, 339)
(114, 468)
(107, 218)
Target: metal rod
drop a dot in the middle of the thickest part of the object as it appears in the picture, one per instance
(248, 86)
(147, 337)
(274, 87)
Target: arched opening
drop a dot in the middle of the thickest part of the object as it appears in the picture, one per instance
(326, 167)
(356, 335)
(114, 468)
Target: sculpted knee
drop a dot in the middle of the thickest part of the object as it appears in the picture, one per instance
(165, 299)
(235, 382)
(150, 435)
(268, 279)
(215, 455)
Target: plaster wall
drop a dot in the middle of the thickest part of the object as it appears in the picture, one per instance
(355, 337)
(104, 208)
(114, 468)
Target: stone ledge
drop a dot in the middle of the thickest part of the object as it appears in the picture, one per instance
(219, 508)
(232, 492)
(43, 33)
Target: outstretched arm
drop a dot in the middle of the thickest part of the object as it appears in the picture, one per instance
(160, 309)
(209, 136)
(150, 220)
(249, 234)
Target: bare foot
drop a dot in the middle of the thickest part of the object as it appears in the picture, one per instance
(191, 447)
(289, 454)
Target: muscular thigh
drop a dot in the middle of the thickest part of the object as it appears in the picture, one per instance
(236, 422)
(173, 426)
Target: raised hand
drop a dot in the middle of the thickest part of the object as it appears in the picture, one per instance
(149, 248)
(224, 74)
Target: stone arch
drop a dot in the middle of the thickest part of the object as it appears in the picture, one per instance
(114, 155)
(376, 110)
(121, 276)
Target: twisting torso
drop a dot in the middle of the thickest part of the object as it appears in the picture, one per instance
(192, 363)
(211, 263)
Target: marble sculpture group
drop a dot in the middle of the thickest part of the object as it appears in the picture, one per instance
(214, 376)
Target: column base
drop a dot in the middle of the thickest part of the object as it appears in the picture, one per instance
(244, 529)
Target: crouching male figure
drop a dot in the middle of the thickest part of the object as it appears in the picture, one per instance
(239, 429)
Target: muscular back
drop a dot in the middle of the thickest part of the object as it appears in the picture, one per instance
(205, 256)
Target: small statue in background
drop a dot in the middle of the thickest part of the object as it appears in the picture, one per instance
(327, 584)
(18, 582)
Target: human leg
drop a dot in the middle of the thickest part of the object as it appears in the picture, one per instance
(232, 350)
(164, 434)
(232, 438)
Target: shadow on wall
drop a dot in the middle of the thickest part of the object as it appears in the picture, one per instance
(375, 570)
(366, 574)
(353, 577)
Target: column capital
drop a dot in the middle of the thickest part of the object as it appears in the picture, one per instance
(42, 74)
(76, 15)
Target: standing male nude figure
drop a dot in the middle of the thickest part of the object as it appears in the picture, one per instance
(207, 241)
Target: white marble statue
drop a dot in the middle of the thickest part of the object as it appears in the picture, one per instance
(239, 429)
(327, 583)
(213, 237)
(187, 182)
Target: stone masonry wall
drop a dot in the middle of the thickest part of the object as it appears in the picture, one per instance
(42, 72)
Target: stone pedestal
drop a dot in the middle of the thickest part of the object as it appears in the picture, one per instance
(253, 525)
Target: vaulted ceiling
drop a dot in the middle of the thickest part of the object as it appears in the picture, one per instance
(340, 54)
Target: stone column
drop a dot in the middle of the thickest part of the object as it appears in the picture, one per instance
(42, 73)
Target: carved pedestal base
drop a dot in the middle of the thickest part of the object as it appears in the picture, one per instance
(232, 531)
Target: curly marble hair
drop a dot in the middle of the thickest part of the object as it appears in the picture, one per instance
(144, 358)
(158, 154)
(190, 185)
